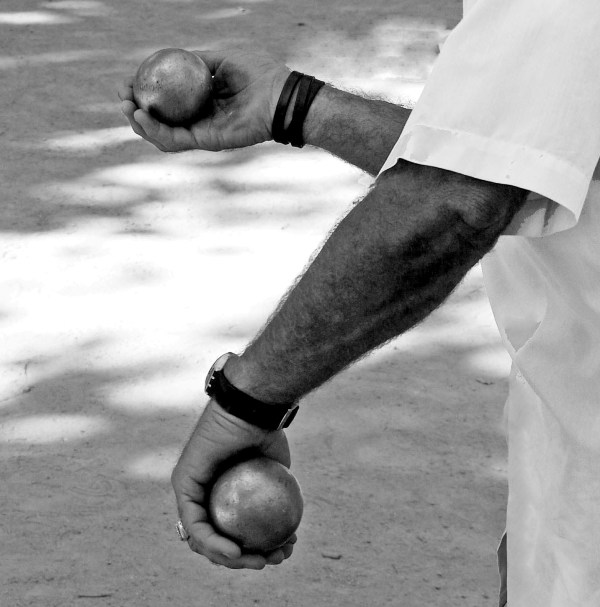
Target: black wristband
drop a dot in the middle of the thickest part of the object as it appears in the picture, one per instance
(242, 405)
(278, 127)
(307, 91)
(294, 130)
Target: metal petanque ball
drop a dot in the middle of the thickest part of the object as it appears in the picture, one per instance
(257, 503)
(174, 86)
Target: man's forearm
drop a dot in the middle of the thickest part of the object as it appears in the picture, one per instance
(360, 131)
(393, 259)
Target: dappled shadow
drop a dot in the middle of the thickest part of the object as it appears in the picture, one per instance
(66, 144)
(242, 187)
(405, 447)
(127, 271)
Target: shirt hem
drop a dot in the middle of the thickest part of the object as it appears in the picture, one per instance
(548, 178)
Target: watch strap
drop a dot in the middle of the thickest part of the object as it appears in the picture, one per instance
(242, 405)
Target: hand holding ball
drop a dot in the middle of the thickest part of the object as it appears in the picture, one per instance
(257, 503)
(174, 86)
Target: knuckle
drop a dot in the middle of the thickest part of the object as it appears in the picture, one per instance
(196, 547)
(176, 477)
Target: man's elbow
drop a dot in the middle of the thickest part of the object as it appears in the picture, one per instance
(485, 207)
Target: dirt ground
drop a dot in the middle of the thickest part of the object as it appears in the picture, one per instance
(126, 272)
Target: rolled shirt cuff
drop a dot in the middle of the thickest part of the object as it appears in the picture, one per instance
(558, 189)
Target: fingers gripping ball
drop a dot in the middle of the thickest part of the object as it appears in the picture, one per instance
(257, 503)
(174, 86)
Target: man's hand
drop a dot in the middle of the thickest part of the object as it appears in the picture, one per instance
(217, 437)
(246, 88)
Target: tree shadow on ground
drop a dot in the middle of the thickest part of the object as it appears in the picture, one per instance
(62, 128)
(400, 458)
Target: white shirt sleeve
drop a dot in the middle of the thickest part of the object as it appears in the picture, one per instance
(514, 98)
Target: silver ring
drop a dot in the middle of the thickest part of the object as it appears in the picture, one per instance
(183, 534)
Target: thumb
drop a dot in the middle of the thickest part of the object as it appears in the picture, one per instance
(277, 448)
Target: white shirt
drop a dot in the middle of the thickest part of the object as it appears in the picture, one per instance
(514, 98)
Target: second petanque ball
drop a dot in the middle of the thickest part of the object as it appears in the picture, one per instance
(174, 86)
(257, 503)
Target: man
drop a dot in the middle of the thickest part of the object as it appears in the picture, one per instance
(503, 141)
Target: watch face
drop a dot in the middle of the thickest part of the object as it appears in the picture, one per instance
(217, 366)
(208, 379)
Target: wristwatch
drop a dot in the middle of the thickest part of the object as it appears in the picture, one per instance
(268, 416)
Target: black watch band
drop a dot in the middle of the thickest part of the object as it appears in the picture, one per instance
(264, 415)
